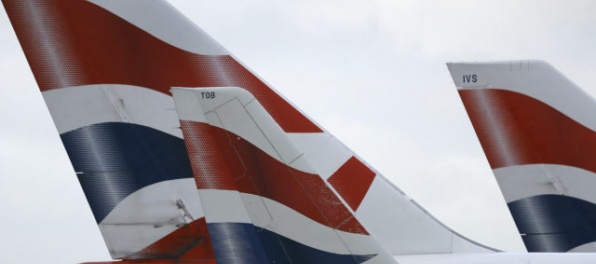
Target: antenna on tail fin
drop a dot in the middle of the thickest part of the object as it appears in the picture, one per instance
(537, 130)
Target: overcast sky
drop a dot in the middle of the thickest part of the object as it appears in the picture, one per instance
(371, 72)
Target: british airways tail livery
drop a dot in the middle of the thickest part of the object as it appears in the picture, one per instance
(104, 82)
(537, 130)
(262, 198)
(105, 69)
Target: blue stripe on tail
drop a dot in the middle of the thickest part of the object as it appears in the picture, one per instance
(554, 223)
(279, 249)
(235, 243)
(115, 160)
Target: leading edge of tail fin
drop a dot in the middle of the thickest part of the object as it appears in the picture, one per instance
(537, 130)
(263, 201)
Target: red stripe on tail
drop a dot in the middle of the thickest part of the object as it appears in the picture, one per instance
(255, 172)
(190, 242)
(352, 181)
(73, 43)
(515, 129)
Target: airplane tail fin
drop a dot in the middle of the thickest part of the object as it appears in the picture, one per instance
(103, 72)
(537, 130)
(263, 201)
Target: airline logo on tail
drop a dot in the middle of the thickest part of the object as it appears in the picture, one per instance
(537, 131)
(263, 201)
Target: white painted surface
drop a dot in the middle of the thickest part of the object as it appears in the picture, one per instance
(521, 181)
(80, 106)
(130, 227)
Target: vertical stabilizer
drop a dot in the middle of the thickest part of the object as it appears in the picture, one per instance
(260, 194)
(537, 130)
(102, 67)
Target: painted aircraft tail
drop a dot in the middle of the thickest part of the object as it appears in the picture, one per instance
(262, 198)
(104, 73)
(537, 130)
(105, 69)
